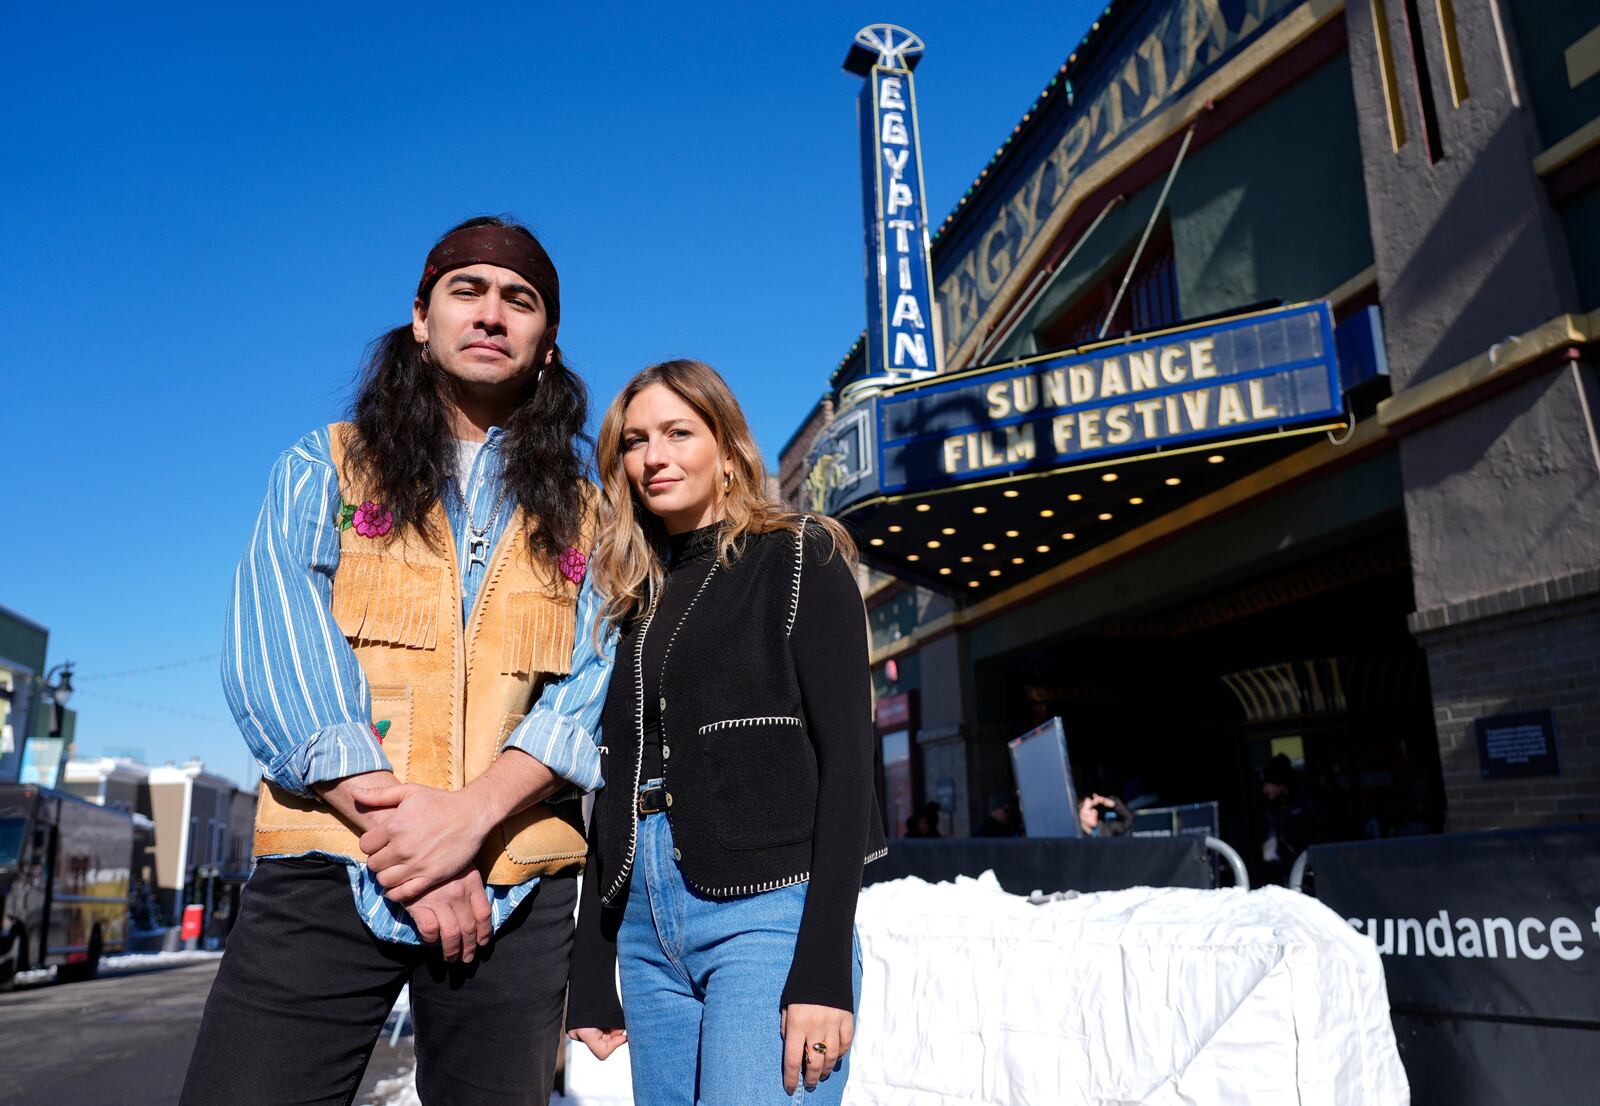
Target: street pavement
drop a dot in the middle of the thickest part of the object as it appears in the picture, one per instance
(120, 1041)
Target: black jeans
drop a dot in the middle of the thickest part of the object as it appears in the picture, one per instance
(304, 989)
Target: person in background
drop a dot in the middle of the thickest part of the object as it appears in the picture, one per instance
(1002, 820)
(1291, 825)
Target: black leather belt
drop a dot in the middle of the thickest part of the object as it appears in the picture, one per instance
(653, 800)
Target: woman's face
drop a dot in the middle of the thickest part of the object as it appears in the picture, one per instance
(672, 460)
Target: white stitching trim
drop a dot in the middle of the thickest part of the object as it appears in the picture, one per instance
(638, 690)
(768, 720)
(799, 564)
(770, 885)
(638, 757)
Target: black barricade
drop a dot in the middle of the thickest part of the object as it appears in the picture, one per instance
(1491, 949)
(1024, 864)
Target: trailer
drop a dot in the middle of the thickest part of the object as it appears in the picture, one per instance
(64, 875)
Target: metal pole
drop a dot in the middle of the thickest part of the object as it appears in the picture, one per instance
(1161, 202)
(1241, 878)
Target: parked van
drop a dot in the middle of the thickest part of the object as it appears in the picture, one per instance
(64, 870)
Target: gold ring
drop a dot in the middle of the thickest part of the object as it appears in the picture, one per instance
(820, 1046)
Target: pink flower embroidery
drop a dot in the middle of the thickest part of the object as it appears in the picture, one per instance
(573, 565)
(373, 520)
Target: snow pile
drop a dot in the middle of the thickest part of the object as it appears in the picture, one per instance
(129, 962)
(402, 1091)
(1160, 997)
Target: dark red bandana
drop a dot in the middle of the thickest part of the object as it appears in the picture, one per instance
(491, 245)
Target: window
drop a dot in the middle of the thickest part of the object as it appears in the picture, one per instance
(1150, 303)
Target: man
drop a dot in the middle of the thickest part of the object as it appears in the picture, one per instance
(411, 655)
(1290, 824)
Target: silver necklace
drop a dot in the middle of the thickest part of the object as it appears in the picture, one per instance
(478, 538)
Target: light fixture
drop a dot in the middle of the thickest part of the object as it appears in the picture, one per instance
(1041, 549)
(924, 507)
(876, 541)
(988, 546)
(1105, 516)
(966, 560)
(980, 510)
(1068, 536)
(1074, 497)
(1173, 481)
(934, 544)
(913, 557)
(1215, 458)
(895, 529)
(1136, 500)
(1013, 533)
(1047, 513)
(1109, 477)
(946, 571)
(1016, 560)
(972, 583)
(994, 572)
(1011, 493)
(948, 530)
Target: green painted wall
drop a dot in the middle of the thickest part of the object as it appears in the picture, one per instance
(21, 642)
(1544, 29)
(1580, 216)
(1275, 208)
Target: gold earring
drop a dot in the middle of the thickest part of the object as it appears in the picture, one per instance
(727, 482)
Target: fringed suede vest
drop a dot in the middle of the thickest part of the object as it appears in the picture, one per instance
(451, 695)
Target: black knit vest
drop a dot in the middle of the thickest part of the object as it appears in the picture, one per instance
(742, 773)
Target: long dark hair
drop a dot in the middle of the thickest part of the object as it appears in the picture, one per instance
(402, 452)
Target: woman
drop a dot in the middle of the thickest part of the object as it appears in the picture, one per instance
(726, 849)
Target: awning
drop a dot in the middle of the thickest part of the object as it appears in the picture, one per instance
(970, 481)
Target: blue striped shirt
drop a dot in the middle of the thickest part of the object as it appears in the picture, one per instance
(298, 693)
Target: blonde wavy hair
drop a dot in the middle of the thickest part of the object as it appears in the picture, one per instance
(628, 564)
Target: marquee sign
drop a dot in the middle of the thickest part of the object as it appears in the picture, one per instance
(902, 330)
(1164, 53)
(1219, 381)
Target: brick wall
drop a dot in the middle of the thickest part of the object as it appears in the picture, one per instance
(1514, 653)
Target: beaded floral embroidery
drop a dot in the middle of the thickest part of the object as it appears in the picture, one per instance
(573, 564)
(370, 520)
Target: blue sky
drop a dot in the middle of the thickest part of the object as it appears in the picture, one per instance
(208, 212)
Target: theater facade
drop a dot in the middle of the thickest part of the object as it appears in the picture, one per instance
(1259, 418)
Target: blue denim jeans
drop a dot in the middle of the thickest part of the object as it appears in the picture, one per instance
(701, 981)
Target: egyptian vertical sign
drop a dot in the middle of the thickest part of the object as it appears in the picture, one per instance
(902, 328)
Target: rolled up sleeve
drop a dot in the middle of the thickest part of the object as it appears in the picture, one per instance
(292, 681)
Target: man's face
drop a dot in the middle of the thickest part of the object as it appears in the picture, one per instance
(1272, 791)
(485, 325)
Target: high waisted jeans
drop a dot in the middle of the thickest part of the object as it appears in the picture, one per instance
(701, 982)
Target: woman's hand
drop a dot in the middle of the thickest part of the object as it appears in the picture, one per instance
(601, 1042)
(804, 1027)
(427, 837)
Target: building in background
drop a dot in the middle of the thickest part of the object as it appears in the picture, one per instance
(36, 729)
(203, 842)
(123, 784)
(1150, 494)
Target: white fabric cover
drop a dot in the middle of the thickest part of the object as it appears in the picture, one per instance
(1160, 997)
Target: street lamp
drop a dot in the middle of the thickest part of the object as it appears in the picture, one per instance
(58, 693)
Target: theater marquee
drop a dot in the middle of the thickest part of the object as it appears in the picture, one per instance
(1237, 378)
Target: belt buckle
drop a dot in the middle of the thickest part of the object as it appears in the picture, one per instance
(651, 800)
